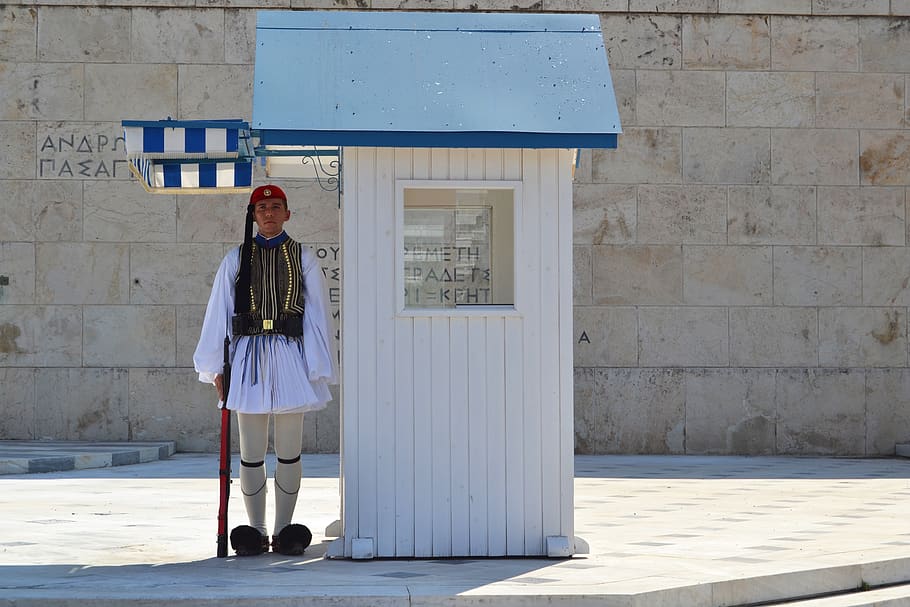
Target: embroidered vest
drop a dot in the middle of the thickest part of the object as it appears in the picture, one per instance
(275, 294)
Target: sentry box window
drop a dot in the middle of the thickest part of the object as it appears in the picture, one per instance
(458, 245)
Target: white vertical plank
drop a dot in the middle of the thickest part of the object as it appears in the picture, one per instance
(366, 353)
(549, 341)
(442, 446)
(441, 405)
(477, 397)
(423, 440)
(384, 311)
(458, 163)
(515, 374)
(459, 436)
(496, 433)
(404, 438)
(566, 364)
(512, 164)
(350, 347)
(514, 437)
(421, 163)
(532, 287)
(439, 163)
(404, 408)
(423, 399)
(475, 164)
(493, 163)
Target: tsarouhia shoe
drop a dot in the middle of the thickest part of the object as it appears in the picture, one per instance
(247, 541)
(292, 540)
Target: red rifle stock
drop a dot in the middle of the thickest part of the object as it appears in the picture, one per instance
(224, 466)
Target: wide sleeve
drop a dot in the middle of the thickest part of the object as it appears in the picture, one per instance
(209, 356)
(319, 345)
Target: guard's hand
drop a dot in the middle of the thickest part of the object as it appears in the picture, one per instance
(219, 385)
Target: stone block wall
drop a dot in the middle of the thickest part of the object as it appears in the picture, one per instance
(742, 270)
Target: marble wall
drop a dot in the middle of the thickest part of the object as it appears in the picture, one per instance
(742, 270)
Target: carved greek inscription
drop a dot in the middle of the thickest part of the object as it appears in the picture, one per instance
(329, 258)
(81, 151)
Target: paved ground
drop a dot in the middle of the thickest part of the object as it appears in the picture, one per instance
(663, 531)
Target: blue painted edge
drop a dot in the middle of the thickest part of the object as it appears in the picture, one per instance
(422, 139)
(230, 123)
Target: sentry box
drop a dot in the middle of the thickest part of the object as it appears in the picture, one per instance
(457, 134)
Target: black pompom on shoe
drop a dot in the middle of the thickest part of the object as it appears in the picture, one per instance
(292, 540)
(247, 541)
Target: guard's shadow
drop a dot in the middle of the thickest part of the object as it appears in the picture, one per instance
(264, 579)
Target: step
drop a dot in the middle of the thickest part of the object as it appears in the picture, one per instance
(903, 450)
(890, 596)
(26, 457)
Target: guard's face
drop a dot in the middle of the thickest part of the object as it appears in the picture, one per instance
(270, 215)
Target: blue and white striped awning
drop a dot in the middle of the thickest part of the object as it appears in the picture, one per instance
(190, 156)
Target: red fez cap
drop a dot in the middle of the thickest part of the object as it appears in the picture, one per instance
(267, 191)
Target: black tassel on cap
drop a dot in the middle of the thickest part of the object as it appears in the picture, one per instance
(241, 301)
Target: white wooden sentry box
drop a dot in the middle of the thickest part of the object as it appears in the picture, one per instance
(457, 416)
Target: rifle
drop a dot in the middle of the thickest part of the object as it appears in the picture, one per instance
(224, 466)
(243, 305)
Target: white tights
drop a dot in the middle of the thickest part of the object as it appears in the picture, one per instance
(254, 441)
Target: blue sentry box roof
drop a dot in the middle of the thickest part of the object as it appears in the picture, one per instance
(432, 79)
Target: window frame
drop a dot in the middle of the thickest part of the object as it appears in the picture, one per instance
(466, 310)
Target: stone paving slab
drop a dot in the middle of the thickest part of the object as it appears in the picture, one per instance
(18, 457)
(663, 531)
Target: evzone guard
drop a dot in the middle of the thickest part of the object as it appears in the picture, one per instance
(269, 300)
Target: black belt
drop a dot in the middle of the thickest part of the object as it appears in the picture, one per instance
(290, 325)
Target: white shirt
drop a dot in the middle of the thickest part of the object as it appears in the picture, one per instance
(271, 373)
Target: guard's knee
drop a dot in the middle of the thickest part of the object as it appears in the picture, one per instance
(251, 477)
(287, 476)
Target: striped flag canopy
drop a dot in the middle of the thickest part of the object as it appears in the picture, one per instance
(190, 156)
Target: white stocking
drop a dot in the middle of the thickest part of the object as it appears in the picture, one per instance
(288, 439)
(254, 441)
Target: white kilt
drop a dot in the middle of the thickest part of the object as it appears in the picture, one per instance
(271, 373)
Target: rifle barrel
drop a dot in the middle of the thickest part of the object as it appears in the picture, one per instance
(224, 464)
